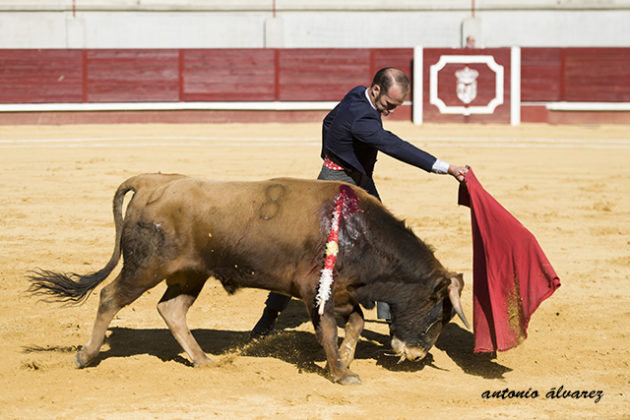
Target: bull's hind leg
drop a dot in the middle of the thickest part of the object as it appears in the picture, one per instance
(353, 329)
(116, 295)
(183, 289)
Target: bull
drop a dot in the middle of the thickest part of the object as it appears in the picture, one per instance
(270, 235)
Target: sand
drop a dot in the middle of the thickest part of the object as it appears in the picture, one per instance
(566, 184)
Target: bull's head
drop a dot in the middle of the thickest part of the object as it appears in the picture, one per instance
(415, 330)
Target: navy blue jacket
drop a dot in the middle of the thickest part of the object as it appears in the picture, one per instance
(353, 133)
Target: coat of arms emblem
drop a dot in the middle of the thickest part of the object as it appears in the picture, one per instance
(466, 84)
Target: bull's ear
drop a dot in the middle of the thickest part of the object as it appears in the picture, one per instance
(441, 289)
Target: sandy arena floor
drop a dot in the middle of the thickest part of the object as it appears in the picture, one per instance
(567, 184)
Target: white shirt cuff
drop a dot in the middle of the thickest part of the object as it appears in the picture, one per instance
(440, 167)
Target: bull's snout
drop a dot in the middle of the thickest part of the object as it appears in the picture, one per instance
(414, 354)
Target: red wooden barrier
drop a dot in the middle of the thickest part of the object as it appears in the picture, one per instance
(321, 74)
(150, 75)
(541, 75)
(189, 75)
(597, 74)
(40, 76)
(575, 74)
(132, 75)
(228, 75)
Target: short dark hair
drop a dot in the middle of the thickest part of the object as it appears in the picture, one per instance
(387, 76)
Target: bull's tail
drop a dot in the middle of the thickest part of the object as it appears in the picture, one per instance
(76, 288)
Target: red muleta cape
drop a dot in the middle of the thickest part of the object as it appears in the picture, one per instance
(511, 275)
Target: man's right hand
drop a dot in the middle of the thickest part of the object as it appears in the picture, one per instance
(458, 171)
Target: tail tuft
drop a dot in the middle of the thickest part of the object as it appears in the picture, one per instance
(60, 287)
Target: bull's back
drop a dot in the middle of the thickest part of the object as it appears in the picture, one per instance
(279, 215)
(283, 204)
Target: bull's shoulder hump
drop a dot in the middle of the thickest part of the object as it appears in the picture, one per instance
(302, 182)
(328, 188)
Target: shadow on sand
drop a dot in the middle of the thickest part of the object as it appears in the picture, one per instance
(299, 348)
(458, 343)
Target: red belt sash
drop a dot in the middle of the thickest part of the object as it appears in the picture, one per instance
(332, 165)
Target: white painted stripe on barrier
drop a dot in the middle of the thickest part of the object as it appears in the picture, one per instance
(588, 106)
(418, 88)
(515, 85)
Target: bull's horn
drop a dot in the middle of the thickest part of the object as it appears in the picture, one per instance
(453, 294)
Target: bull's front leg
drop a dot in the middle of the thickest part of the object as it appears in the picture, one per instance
(353, 329)
(326, 331)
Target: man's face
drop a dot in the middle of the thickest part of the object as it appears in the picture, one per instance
(386, 102)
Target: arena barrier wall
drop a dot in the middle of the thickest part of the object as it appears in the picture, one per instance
(498, 85)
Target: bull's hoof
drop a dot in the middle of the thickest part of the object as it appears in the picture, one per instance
(351, 379)
(204, 363)
(81, 361)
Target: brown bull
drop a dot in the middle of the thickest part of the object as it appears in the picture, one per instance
(270, 235)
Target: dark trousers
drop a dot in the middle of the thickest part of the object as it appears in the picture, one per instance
(278, 302)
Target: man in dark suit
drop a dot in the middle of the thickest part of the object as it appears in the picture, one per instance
(352, 135)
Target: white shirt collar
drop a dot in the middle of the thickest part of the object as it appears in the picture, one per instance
(369, 100)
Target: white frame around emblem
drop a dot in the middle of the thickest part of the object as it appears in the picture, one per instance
(466, 59)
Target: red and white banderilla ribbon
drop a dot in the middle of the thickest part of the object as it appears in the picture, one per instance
(332, 248)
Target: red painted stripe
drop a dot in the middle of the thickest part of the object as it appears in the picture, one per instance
(180, 75)
(84, 76)
(563, 75)
(276, 73)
